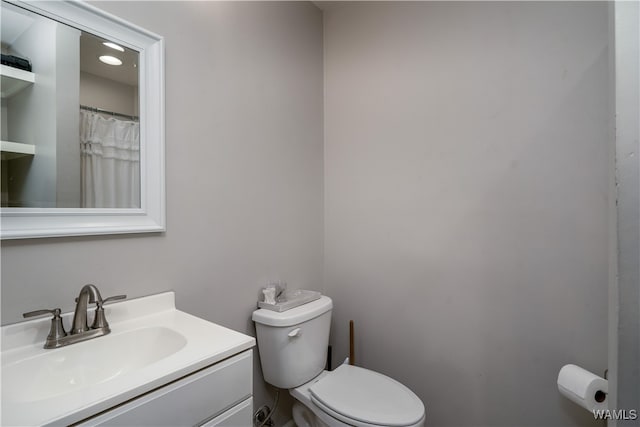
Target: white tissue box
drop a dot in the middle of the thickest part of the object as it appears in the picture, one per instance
(291, 299)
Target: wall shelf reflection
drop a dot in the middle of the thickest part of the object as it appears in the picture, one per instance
(12, 150)
(13, 80)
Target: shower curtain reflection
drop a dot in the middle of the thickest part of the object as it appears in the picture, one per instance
(110, 167)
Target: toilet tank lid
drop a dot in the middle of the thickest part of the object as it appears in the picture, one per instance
(294, 316)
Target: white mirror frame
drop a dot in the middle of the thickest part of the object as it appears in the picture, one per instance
(19, 223)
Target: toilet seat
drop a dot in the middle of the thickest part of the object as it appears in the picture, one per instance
(365, 398)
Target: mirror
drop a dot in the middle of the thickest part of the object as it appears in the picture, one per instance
(66, 162)
(82, 122)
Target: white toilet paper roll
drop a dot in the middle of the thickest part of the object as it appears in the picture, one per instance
(583, 387)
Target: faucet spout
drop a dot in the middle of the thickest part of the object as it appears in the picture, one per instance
(88, 294)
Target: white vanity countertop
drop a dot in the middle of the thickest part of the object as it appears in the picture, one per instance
(74, 382)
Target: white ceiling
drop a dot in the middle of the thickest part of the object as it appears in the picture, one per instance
(91, 48)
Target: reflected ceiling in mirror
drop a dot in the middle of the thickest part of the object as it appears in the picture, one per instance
(93, 47)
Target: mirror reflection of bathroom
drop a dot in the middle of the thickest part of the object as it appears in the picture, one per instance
(70, 117)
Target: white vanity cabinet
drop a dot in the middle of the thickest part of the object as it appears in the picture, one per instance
(219, 395)
(159, 366)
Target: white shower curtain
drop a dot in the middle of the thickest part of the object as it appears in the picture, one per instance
(110, 159)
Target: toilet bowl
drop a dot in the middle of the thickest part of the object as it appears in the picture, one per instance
(353, 396)
(293, 348)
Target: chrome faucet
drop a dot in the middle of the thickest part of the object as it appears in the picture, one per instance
(80, 330)
(88, 294)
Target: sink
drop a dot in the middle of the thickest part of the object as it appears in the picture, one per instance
(67, 369)
(151, 344)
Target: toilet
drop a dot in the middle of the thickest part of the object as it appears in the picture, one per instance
(293, 350)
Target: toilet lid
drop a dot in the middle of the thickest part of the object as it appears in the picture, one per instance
(350, 393)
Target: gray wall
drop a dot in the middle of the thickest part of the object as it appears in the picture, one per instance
(466, 200)
(244, 172)
(625, 354)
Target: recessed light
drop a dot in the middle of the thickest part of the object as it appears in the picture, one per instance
(113, 46)
(111, 60)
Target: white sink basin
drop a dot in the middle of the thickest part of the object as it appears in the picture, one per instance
(67, 369)
(151, 344)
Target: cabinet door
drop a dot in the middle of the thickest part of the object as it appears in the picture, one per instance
(240, 415)
(188, 401)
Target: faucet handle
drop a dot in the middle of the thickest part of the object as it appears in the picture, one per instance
(114, 298)
(100, 321)
(57, 328)
(55, 311)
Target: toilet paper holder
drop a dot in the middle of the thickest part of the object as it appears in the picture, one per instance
(583, 387)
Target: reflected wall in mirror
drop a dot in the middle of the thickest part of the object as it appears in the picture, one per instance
(82, 141)
(70, 127)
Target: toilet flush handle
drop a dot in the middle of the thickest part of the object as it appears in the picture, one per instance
(295, 333)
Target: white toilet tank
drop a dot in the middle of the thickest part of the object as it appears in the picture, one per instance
(293, 344)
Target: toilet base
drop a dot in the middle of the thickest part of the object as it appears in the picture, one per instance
(303, 417)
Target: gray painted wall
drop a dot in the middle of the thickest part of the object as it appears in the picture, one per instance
(466, 200)
(244, 172)
(626, 354)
